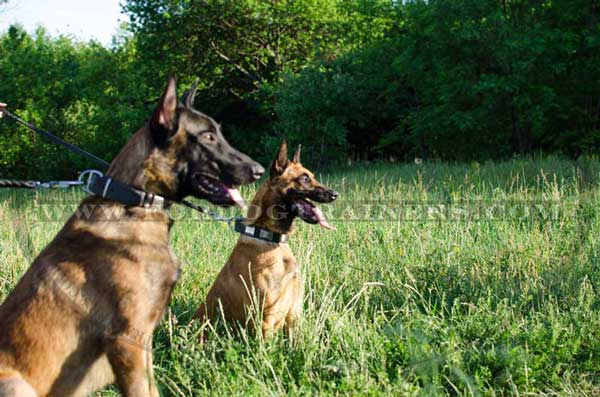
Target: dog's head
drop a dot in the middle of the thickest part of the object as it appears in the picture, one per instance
(204, 164)
(298, 188)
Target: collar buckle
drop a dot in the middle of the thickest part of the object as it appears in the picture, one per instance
(259, 232)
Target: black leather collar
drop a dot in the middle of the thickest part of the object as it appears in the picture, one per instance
(259, 232)
(108, 188)
(111, 189)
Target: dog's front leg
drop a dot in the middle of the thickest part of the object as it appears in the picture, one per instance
(132, 365)
(290, 326)
(292, 317)
(291, 320)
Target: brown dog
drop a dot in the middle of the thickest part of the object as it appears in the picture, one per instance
(83, 314)
(262, 265)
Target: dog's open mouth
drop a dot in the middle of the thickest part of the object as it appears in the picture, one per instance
(310, 213)
(218, 192)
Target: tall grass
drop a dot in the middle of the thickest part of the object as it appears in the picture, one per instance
(502, 304)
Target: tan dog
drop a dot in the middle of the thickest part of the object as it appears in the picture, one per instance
(83, 314)
(261, 266)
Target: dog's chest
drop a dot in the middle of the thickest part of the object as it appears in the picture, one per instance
(149, 281)
(280, 271)
(162, 273)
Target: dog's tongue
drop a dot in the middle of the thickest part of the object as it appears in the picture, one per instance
(321, 219)
(237, 197)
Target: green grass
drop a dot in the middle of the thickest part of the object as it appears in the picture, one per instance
(421, 307)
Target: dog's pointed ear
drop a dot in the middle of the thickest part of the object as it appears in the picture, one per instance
(188, 97)
(296, 158)
(163, 118)
(281, 160)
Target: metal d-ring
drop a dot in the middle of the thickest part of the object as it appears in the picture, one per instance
(88, 177)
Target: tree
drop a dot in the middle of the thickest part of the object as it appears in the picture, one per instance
(345, 106)
(83, 92)
(447, 79)
(458, 79)
(239, 48)
(487, 75)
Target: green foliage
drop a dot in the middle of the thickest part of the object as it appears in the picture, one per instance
(366, 79)
(488, 76)
(342, 107)
(460, 79)
(240, 48)
(85, 93)
(235, 46)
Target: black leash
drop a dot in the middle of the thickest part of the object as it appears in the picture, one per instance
(54, 138)
(90, 156)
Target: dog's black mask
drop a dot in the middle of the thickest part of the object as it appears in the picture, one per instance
(206, 165)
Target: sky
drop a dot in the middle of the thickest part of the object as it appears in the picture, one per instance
(84, 19)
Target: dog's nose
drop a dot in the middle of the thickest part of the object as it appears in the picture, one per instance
(257, 171)
(334, 195)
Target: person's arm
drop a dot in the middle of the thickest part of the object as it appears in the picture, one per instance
(2, 106)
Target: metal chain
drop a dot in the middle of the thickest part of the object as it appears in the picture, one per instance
(217, 217)
(9, 183)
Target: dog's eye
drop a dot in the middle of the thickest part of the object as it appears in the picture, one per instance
(304, 179)
(209, 137)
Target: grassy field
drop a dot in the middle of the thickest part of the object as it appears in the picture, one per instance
(487, 285)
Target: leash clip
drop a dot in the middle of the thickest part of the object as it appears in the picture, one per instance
(59, 184)
(87, 178)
